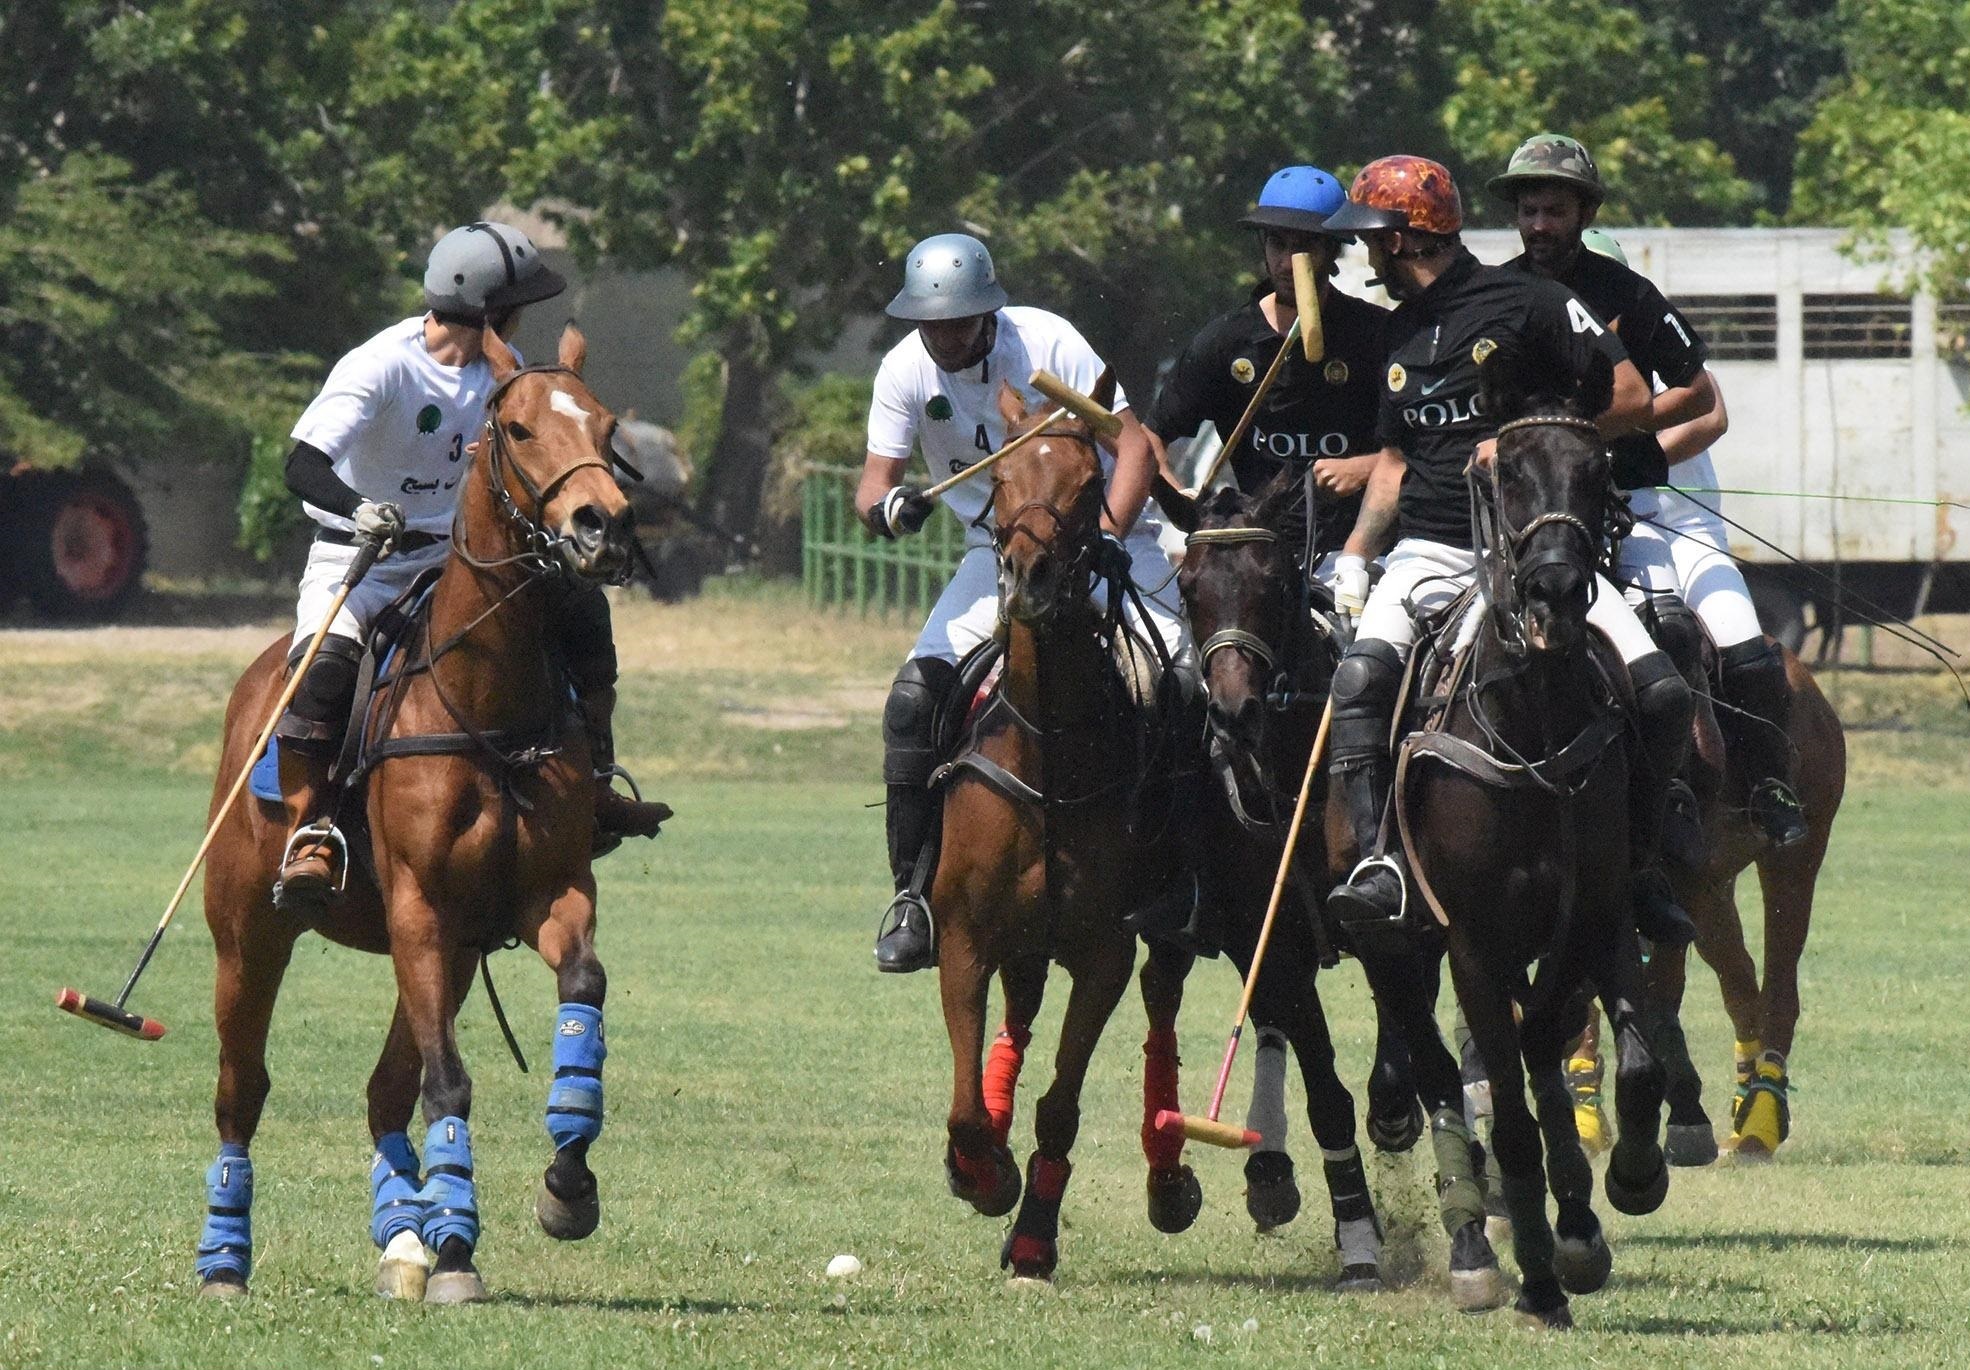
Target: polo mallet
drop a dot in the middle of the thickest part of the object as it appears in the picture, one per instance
(1251, 410)
(1074, 402)
(1208, 1129)
(1306, 298)
(113, 1015)
(985, 463)
(1306, 329)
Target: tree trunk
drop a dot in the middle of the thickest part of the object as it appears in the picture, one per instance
(739, 459)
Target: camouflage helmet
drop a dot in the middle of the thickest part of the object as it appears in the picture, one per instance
(1401, 192)
(948, 276)
(1601, 241)
(1550, 157)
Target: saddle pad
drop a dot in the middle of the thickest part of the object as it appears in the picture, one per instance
(265, 780)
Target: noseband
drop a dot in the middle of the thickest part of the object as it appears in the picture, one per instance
(541, 552)
(1504, 568)
(1234, 638)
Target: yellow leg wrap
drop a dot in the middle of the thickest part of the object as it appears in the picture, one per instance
(1764, 1116)
(1583, 1077)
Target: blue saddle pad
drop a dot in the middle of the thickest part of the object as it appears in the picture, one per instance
(265, 780)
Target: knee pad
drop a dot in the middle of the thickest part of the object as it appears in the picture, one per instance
(1364, 691)
(320, 708)
(450, 1200)
(1675, 628)
(227, 1240)
(585, 637)
(909, 719)
(1664, 708)
(574, 1102)
(393, 1185)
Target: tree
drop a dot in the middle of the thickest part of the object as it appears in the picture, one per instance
(1594, 70)
(1890, 145)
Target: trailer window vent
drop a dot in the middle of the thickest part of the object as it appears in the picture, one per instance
(1738, 328)
(1856, 327)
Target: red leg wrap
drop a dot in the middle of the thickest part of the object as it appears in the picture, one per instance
(1029, 1253)
(1047, 1179)
(1002, 1075)
(980, 1172)
(1159, 1092)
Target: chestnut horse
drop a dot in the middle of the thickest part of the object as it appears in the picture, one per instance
(1513, 813)
(480, 812)
(1040, 861)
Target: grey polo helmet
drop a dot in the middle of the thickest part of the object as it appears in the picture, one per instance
(486, 268)
(949, 276)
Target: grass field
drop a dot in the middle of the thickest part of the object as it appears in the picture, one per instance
(773, 1102)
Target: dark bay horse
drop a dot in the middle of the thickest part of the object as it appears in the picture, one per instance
(1040, 861)
(479, 812)
(1514, 814)
(1267, 665)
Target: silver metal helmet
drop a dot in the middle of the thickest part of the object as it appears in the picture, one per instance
(486, 268)
(949, 276)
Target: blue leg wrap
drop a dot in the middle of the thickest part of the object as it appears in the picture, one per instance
(450, 1204)
(574, 1103)
(393, 1182)
(227, 1241)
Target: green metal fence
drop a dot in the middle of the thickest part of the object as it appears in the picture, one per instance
(842, 566)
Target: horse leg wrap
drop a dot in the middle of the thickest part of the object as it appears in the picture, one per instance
(574, 1101)
(1347, 1185)
(226, 1244)
(1267, 1115)
(1459, 1197)
(1032, 1247)
(449, 1199)
(1159, 1092)
(1002, 1068)
(1764, 1113)
(393, 1186)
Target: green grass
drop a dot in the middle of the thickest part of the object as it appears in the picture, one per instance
(772, 1101)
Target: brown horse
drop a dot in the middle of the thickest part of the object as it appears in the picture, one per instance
(1765, 1016)
(479, 813)
(1039, 862)
(1513, 812)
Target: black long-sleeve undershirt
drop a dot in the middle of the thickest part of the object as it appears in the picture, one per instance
(311, 475)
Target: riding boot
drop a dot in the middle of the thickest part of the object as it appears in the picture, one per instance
(308, 864)
(1754, 725)
(1370, 906)
(1663, 708)
(616, 815)
(907, 938)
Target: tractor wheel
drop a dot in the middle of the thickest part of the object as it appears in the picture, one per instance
(79, 542)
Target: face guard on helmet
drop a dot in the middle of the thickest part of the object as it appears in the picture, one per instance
(949, 276)
(487, 269)
(1401, 192)
(1555, 158)
(1298, 199)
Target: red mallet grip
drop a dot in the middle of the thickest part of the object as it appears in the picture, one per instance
(108, 1015)
(1208, 1130)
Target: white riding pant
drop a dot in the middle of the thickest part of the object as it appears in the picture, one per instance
(1678, 545)
(968, 611)
(1423, 576)
(328, 562)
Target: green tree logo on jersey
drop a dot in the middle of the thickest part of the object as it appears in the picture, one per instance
(428, 418)
(939, 408)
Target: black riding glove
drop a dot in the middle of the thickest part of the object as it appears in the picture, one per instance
(1111, 560)
(903, 510)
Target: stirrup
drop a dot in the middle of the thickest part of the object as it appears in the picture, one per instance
(896, 917)
(326, 834)
(1387, 862)
(1774, 795)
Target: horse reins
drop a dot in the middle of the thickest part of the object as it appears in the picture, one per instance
(1501, 547)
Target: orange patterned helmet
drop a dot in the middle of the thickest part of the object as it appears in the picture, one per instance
(1401, 192)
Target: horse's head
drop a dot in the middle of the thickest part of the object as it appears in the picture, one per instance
(1237, 582)
(1547, 491)
(1046, 508)
(550, 459)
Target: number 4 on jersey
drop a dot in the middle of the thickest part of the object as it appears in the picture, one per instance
(982, 440)
(1582, 321)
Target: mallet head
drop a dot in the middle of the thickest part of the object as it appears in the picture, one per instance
(108, 1015)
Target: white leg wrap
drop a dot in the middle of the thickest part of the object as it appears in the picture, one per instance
(1267, 1115)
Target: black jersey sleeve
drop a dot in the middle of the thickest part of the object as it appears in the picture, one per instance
(1184, 400)
(311, 475)
(1677, 351)
(1561, 324)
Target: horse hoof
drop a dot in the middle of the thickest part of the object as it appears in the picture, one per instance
(1636, 1200)
(1030, 1284)
(1394, 1135)
(455, 1286)
(1359, 1279)
(1477, 1285)
(1582, 1265)
(1690, 1144)
(1174, 1199)
(225, 1284)
(567, 1220)
(1272, 1195)
(1552, 1318)
(402, 1272)
(994, 1195)
(1030, 1258)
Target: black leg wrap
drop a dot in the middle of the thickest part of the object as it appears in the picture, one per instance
(1347, 1188)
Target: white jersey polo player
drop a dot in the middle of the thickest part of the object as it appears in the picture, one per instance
(937, 392)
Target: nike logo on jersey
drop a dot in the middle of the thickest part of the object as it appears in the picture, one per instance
(1430, 388)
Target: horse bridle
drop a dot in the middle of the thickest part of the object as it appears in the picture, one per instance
(1013, 525)
(1234, 639)
(540, 555)
(1501, 547)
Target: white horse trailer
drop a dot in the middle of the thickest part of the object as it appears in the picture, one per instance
(1838, 383)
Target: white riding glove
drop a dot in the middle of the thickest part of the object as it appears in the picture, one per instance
(1350, 585)
(379, 519)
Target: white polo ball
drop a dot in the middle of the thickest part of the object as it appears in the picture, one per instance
(844, 1267)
